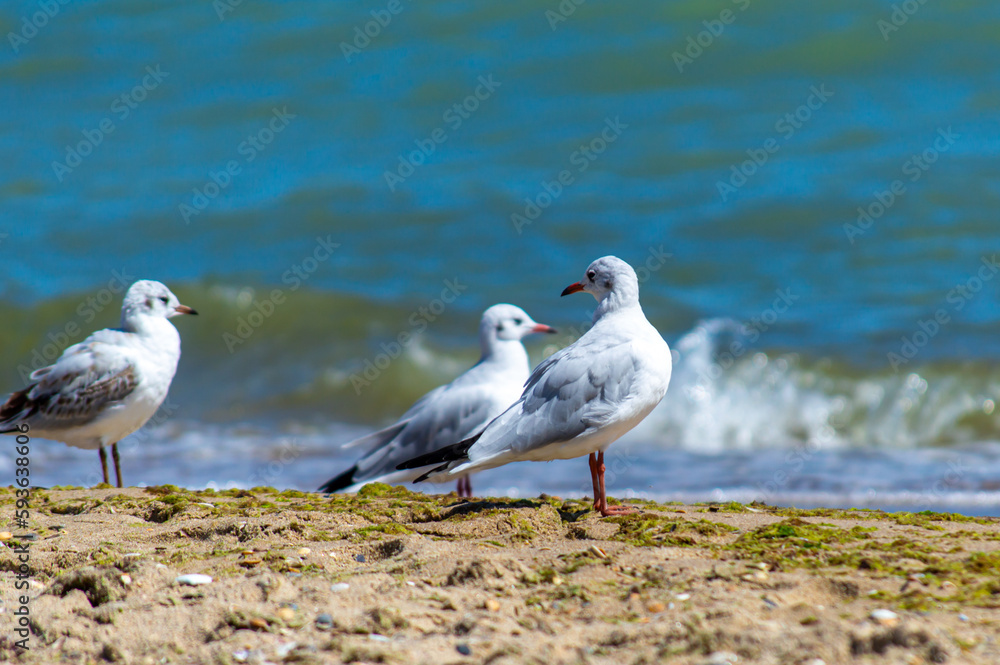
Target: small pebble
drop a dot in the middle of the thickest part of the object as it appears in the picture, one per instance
(194, 579)
(282, 650)
(557, 580)
(962, 617)
(655, 608)
(492, 605)
(126, 579)
(360, 558)
(285, 613)
(375, 637)
(340, 586)
(258, 623)
(884, 617)
(948, 586)
(598, 552)
(6, 535)
(304, 551)
(815, 661)
(722, 658)
(464, 649)
(683, 596)
(324, 622)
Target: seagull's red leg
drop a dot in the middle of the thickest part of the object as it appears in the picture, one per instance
(468, 486)
(104, 464)
(118, 468)
(593, 476)
(603, 506)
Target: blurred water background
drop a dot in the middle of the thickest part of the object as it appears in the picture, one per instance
(809, 191)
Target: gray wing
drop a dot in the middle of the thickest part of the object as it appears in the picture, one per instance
(87, 379)
(578, 389)
(384, 436)
(454, 414)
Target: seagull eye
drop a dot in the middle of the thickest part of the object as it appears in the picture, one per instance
(165, 300)
(518, 322)
(591, 274)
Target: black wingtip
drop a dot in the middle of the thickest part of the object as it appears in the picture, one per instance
(337, 483)
(447, 454)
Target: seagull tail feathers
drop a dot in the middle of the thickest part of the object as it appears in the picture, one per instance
(440, 459)
(337, 483)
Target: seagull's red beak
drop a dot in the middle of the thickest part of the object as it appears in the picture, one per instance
(542, 328)
(184, 309)
(573, 288)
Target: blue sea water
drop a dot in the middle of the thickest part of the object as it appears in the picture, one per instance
(811, 189)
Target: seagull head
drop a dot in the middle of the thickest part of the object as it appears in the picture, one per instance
(150, 298)
(611, 281)
(508, 323)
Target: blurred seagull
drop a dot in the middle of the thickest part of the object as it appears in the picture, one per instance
(453, 412)
(580, 399)
(106, 387)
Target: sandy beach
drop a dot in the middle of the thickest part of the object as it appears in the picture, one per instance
(388, 576)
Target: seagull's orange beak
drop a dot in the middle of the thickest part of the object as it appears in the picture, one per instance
(184, 309)
(542, 328)
(573, 288)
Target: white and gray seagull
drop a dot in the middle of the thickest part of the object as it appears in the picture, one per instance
(580, 399)
(453, 412)
(106, 387)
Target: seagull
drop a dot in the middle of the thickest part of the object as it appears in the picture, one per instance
(580, 399)
(106, 387)
(452, 412)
